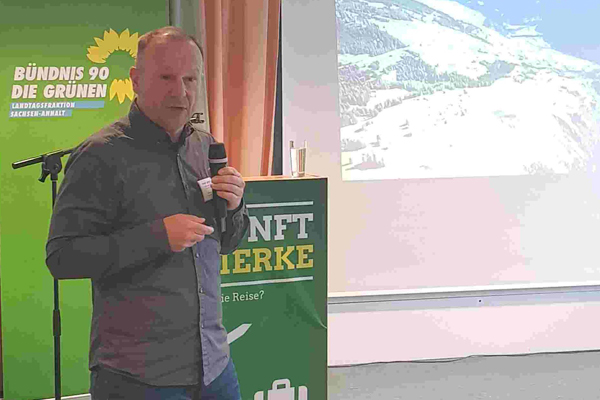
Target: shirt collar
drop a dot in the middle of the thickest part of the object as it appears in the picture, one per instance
(145, 129)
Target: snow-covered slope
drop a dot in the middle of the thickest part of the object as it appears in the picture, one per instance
(431, 89)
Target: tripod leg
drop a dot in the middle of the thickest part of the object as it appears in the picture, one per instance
(56, 330)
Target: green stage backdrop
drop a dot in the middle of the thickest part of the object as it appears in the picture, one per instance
(274, 292)
(62, 77)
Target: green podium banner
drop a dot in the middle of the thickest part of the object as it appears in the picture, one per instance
(274, 292)
(64, 75)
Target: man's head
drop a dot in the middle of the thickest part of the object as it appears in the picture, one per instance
(165, 77)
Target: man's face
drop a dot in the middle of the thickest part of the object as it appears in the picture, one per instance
(166, 82)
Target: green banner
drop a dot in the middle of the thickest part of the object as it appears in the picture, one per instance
(274, 292)
(64, 75)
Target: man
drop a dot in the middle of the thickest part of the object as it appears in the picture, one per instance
(131, 215)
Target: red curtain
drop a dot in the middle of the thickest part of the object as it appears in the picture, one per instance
(241, 44)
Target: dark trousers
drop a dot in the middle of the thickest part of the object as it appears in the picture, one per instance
(108, 385)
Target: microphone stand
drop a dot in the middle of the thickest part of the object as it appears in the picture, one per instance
(51, 165)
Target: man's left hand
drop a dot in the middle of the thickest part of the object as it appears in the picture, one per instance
(229, 185)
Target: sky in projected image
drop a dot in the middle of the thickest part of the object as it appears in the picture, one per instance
(439, 88)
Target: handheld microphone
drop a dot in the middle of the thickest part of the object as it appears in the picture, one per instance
(217, 160)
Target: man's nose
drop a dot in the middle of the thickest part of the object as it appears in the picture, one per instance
(178, 88)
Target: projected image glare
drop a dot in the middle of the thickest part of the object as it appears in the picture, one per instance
(440, 88)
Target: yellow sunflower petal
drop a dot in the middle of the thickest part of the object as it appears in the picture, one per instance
(113, 88)
(111, 40)
(121, 97)
(135, 38)
(123, 39)
(121, 89)
(129, 89)
(129, 44)
(95, 56)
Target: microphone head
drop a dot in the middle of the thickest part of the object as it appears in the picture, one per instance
(216, 151)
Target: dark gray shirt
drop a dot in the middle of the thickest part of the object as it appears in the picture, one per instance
(156, 313)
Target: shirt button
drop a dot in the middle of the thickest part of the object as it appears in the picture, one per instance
(197, 255)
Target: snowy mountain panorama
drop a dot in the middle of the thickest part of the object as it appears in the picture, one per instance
(433, 88)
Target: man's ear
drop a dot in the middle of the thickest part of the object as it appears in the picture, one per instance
(134, 75)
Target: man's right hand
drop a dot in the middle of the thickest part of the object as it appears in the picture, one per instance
(185, 230)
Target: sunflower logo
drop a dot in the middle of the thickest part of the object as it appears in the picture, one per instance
(112, 42)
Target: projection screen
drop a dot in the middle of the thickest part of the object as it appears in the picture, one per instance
(460, 138)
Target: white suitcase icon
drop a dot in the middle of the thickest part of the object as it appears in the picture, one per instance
(287, 392)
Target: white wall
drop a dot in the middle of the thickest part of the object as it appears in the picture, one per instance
(404, 327)
(384, 328)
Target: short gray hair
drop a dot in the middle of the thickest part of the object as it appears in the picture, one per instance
(166, 33)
